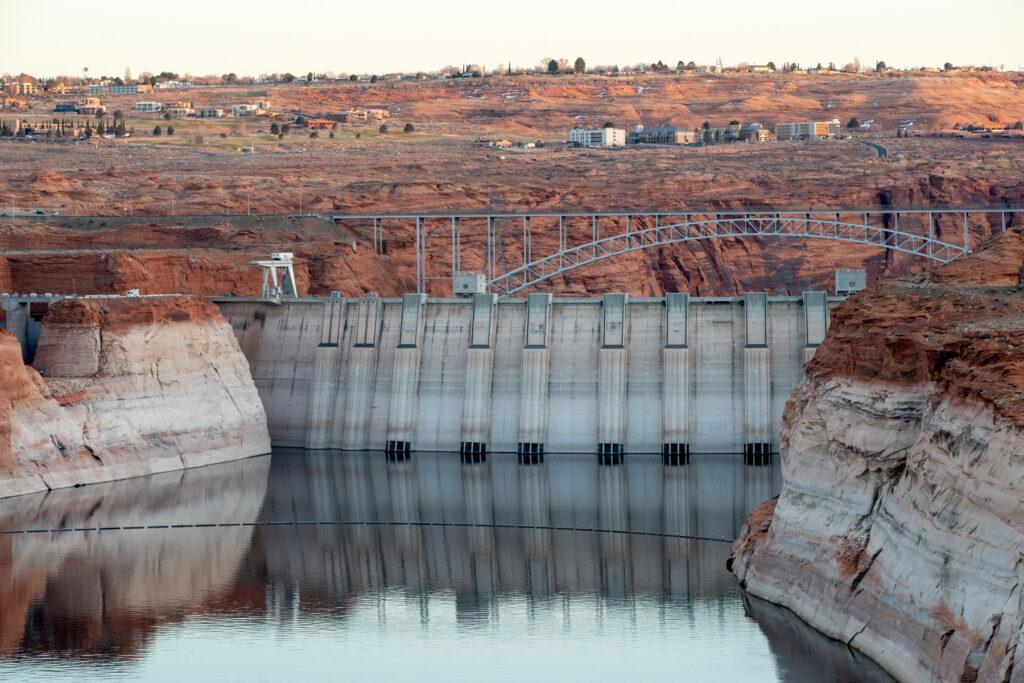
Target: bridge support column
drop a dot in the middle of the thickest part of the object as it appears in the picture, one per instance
(757, 411)
(362, 371)
(476, 404)
(611, 383)
(405, 376)
(533, 403)
(815, 322)
(17, 324)
(323, 385)
(675, 381)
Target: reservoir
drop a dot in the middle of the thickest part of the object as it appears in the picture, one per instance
(422, 566)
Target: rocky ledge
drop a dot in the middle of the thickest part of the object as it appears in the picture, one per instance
(121, 388)
(900, 526)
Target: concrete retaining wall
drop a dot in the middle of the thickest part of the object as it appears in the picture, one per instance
(536, 375)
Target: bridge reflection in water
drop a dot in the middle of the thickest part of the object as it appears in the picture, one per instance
(445, 545)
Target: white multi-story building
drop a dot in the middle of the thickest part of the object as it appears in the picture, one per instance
(244, 109)
(209, 113)
(148, 106)
(807, 130)
(601, 137)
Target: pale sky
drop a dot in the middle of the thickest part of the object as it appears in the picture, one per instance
(258, 36)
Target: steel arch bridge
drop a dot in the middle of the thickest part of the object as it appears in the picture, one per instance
(502, 243)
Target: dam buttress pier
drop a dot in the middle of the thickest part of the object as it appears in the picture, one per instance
(534, 376)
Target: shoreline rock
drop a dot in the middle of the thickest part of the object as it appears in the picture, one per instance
(122, 388)
(900, 527)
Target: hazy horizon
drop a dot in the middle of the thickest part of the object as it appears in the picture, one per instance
(312, 35)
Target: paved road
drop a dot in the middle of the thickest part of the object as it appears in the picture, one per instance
(882, 152)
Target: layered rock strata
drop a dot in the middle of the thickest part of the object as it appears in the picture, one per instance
(122, 388)
(900, 527)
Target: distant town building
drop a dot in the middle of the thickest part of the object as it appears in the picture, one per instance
(661, 135)
(66, 107)
(320, 124)
(180, 112)
(600, 137)
(173, 85)
(91, 106)
(251, 108)
(111, 89)
(755, 132)
(11, 103)
(807, 130)
(147, 106)
(210, 113)
(20, 88)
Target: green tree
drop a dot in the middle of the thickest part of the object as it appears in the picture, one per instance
(771, 65)
(409, 128)
(229, 78)
(706, 125)
(734, 122)
(285, 128)
(353, 78)
(313, 135)
(383, 130)
(948, 66)
(373, 78)
(300, 120)
(331, 135)
(280, 136)
(157, 130)
(608, 124)
(170, 130)
(553, 67)
(853, 123)
(309, 77)
(287, 77)
(358, 135)
(880, 66)
(274, 129)
(579, 66)
(167, 116)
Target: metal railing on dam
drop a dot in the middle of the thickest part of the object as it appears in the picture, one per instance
(502, 245)
(537, 375)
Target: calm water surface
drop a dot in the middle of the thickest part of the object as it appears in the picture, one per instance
(417, 570)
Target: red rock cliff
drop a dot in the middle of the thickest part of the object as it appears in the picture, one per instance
(900, 526)
(127, 387)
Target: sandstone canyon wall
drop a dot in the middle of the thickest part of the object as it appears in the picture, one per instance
(900, 527)
(122, 388)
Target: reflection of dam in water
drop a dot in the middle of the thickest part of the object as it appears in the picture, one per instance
(445, 545)
(709, 498)
(613, 375)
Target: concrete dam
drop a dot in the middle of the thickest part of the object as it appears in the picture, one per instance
(538, 375)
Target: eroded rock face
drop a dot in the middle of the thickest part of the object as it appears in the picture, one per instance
(123, 388)
(900, 527)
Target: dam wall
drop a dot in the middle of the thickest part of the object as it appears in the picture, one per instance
(536, 375)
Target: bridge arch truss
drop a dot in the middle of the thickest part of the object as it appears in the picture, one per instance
(501, 245)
